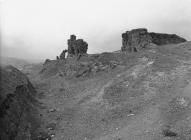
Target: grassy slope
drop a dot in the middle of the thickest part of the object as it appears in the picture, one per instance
(145, 96)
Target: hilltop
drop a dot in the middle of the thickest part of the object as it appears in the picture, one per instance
(142, 94)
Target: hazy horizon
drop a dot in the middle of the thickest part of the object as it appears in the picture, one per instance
(39, 29)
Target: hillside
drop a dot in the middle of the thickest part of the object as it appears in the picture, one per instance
(19, 116)
(17, 62)
(120, 96)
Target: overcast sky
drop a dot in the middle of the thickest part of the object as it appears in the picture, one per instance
(39, 29)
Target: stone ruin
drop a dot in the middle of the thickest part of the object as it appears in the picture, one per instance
(63, 54)
(76, 47)
(137, 39)
(162, 39)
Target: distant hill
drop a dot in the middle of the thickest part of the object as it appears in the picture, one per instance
(17, 62)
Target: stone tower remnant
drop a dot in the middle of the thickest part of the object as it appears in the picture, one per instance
(76, 47)
(135, 40)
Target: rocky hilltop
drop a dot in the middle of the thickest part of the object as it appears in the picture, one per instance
(119, 96)
(78, 62)
(107, 96)
(138, 39)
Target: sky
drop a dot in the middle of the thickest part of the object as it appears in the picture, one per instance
(39, 29)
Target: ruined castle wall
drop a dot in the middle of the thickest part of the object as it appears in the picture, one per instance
(137, 39)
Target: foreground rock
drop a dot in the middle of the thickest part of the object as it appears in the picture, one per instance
(140, 38)
(17, 121)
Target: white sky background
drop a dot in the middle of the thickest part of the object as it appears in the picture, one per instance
(39, 29)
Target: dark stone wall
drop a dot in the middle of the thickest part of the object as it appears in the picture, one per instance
(76, 46)
(137, 39)
(162, 39)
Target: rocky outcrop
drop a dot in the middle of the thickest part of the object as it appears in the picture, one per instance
(76, 47)
(162, 39)
(137, 39)
(17, 121)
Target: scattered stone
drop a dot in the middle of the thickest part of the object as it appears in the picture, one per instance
(182, 101)
(51, 126)
(152, 51)
(144, 59)
(179, 103)
(150, 63)
(44, 136)
(52, 110)
(52, 135)
(169, 133)
(130, 115)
